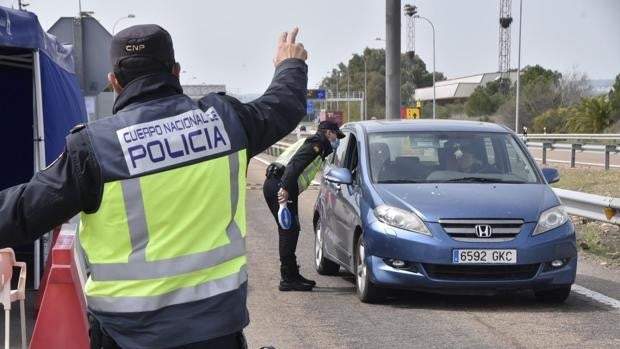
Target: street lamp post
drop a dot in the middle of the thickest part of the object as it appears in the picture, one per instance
(518, 70)
(131, 15)
(433, 27)
(365, 94)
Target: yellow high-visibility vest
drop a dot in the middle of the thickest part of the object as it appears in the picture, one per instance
(307, 175)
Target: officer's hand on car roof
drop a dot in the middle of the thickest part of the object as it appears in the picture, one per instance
(288, 48)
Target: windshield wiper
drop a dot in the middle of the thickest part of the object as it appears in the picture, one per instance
(397, 181)
(479, 180)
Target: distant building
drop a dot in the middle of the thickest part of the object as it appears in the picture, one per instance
(100, 106)
(453, 90)
(198, 91)
(601, 86)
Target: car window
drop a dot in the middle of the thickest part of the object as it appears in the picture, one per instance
(397, 157)
(352, 157)
(518, 162)
(489, 150)
(338, 156)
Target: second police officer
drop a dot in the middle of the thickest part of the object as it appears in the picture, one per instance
(289, 175)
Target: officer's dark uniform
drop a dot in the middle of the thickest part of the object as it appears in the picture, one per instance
(75, 183)
(278, 177)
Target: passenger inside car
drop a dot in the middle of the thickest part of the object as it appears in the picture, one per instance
(466, 160)
(379, 155)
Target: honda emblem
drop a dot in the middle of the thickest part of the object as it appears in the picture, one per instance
(483, 230)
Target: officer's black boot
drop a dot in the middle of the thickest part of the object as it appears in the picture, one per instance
(304, 280)
(291, 281)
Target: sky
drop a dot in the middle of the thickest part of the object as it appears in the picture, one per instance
(233, 42)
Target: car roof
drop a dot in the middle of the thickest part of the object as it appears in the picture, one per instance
(371, 126)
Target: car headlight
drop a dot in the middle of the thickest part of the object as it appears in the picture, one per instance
(551, 219)
(401, 219)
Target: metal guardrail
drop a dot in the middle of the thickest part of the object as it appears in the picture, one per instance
(572, 136)
(607, 149)
(600, 208)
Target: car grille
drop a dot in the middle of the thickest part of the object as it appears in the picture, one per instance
(465, 229)
(481, 272)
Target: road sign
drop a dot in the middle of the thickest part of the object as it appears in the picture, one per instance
(316, 94)
(91, 50)
(410, 113)
(413, 113)
(309, 108)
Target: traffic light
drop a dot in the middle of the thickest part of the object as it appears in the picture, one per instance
(316, 94)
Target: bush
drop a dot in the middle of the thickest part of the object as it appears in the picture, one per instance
(554, 120)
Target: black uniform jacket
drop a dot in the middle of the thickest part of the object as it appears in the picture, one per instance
(316, 145)
(72, 183)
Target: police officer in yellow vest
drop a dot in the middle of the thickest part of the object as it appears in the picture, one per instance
(161, 190)
(289, 175)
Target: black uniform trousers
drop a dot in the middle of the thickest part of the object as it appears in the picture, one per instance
(100, 340)
(287, 238)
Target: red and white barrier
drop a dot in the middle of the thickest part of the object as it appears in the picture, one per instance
(62, 321)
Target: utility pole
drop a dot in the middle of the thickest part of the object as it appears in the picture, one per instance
(518, 69)
(392, 59)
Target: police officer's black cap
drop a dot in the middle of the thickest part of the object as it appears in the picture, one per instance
(330, 125)
(145, 41)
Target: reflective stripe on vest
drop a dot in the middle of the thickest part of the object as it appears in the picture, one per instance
(164, 249)
(307, 175)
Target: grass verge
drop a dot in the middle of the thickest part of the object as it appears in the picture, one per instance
(598, 238)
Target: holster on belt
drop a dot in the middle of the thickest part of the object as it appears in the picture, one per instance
(275, 170)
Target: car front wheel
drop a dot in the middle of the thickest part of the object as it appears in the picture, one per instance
(322, 265)
(366, 290)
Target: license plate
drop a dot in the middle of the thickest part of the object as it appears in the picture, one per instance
(484, 256)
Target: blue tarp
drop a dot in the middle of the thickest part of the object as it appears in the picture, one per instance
(63, 103)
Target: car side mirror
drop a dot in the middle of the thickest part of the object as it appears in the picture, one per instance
(551, 175)
(339, 175)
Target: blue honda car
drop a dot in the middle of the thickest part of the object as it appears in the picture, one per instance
(442, 205)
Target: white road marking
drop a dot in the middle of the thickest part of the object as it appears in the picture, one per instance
(601, 298)
(267, 163)
(261, 160)
(578, 163)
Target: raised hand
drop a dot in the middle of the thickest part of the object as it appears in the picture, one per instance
(288, 48)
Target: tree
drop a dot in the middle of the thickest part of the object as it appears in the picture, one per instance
(480, 103)
(540, 91)
(573, 87)
(413, 75)
(485, 100)
(614, 100)
(537, 74)
(593, 115)
(552, 121)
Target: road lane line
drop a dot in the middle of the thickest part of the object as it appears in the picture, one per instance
(267, 163)
(578, 163)
(261, 160)
(601, 298)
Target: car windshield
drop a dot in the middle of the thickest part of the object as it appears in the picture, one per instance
(448, 157)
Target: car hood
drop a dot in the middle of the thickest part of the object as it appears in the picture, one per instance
(469, 201)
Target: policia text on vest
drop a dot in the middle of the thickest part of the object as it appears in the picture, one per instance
(162, 143)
